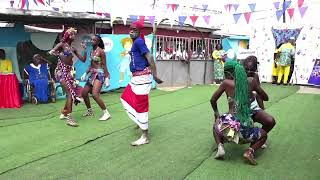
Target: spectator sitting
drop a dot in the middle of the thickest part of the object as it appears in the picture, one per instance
(5, 64)
(39, 76)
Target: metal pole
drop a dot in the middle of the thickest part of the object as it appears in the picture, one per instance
(93, 6)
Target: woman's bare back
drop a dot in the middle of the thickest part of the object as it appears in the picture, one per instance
(229, 90)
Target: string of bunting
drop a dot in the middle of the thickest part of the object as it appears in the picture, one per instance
(286, 7)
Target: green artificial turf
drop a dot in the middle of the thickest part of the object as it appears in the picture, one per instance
(35, 144)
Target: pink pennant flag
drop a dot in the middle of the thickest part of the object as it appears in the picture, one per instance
(193, 19)
(151, 19)
(23, 3)
(300, 3)
(174, 7)
(206, 19)
(226, 7)
(247, 16)
(142, 18)
(290, 12)
(229, 7)
(40, 1)
(168, 5)
(303, 10)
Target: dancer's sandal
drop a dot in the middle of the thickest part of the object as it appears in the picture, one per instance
(71, 122)
(249, 156)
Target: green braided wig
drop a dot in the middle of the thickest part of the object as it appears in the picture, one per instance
(241, 91)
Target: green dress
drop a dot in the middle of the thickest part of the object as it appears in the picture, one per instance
(218, 64)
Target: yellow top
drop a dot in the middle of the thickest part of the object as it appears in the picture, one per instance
(285, 47)
(218, 54)
(5, 66)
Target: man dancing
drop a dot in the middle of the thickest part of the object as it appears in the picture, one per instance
(135, 98)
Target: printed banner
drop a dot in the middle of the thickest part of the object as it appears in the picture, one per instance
(118, 59)
(307, 52)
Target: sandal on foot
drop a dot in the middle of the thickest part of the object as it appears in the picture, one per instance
(220, 152)
(71, 122)
(249, 156)
(88, 113)
(62, 116)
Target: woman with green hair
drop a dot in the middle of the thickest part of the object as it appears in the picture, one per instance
(237, 125)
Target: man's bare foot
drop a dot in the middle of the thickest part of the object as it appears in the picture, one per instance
(140, 141)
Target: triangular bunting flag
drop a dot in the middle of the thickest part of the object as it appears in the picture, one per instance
(27, 4)
(290, 12)
(182, 19)
(236, 17)
(252, 6)
(133, 18)
(41, 1)
(279, 14)
(247, 16)
(35, 1)
(174, 7)
(286, 5)
(300, 3)
(193, 19)
(235, 6)
(23, 2)
(303, 10)
(276, 5)
(229, 7)
(205, 7)
(141, 19)
(206, 19)
(168, 5)
(11, 4)
(151, 19)
(226, 7)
